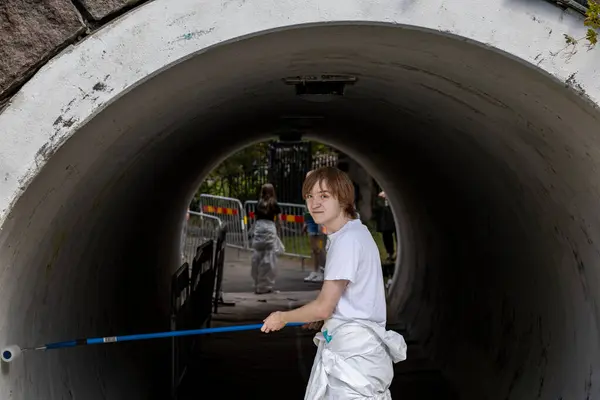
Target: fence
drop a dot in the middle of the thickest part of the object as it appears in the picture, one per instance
(282, 163)
(180, 315)
(292, 220)
(288, 164)
(231, 212)
(192, 292)
(220, 262)
(202, 283)
(199, 228)
(196, 286)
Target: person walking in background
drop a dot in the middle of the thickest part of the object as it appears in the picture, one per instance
(266, 244)
(387, 227)
(317, 246)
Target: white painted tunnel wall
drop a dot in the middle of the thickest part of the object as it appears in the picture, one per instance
(75, 86)
(149, 39)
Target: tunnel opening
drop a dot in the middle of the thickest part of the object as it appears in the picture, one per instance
(228, 196)
(488, 161)
(237, 364)
(227, 199)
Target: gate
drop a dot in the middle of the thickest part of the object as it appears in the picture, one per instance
(288, 164)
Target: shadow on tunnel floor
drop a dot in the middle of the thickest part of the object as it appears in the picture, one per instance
(251, 364)
(248, 365)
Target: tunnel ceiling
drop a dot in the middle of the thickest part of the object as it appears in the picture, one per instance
(161, 35)
(490, 161)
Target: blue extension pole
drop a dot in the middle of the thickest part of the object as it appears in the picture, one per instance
(158, 335)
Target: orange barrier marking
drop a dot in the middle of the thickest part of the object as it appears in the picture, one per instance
(220, 210)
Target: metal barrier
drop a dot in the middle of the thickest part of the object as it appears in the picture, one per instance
(202, 283)
(199, 229)
(192, 291)
(219, 267)
(292, 220)
(181, 311)
(231, 212)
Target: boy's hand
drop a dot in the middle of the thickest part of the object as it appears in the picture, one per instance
(273, 322)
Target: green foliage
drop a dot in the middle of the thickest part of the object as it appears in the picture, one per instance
(242, 174)
(570, 40)
(592, 22)
(319, 148)
(236, 176)
(244, 160)
(592, 37)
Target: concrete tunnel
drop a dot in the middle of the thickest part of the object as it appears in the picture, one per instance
(486, 142)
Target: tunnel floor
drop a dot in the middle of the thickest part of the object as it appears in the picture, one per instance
(277, 365)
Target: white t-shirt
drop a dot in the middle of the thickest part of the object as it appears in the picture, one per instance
(353, 255)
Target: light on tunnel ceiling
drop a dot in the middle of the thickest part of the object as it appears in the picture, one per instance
(320, 88)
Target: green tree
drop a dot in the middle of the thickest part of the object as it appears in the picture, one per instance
(242, 174)
(244, 161)
(236, 176)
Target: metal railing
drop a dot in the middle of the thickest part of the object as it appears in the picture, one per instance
(202, 284)
(181, 311)
(232, 214)
(292, 221)
(199, 228)
(193, 296)
(219, 260)
(196, 286)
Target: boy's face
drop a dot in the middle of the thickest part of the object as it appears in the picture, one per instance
(323, 207)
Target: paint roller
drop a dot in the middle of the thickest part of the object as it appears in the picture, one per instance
(11, 352)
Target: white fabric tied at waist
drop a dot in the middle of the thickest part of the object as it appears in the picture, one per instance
(354, 361)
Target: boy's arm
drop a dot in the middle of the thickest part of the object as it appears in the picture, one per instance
(317, 310)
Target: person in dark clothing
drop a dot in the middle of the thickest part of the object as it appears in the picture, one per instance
(266, 244)
(387, 227)
(267, 208)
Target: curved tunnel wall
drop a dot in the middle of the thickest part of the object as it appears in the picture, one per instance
(490, 162)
